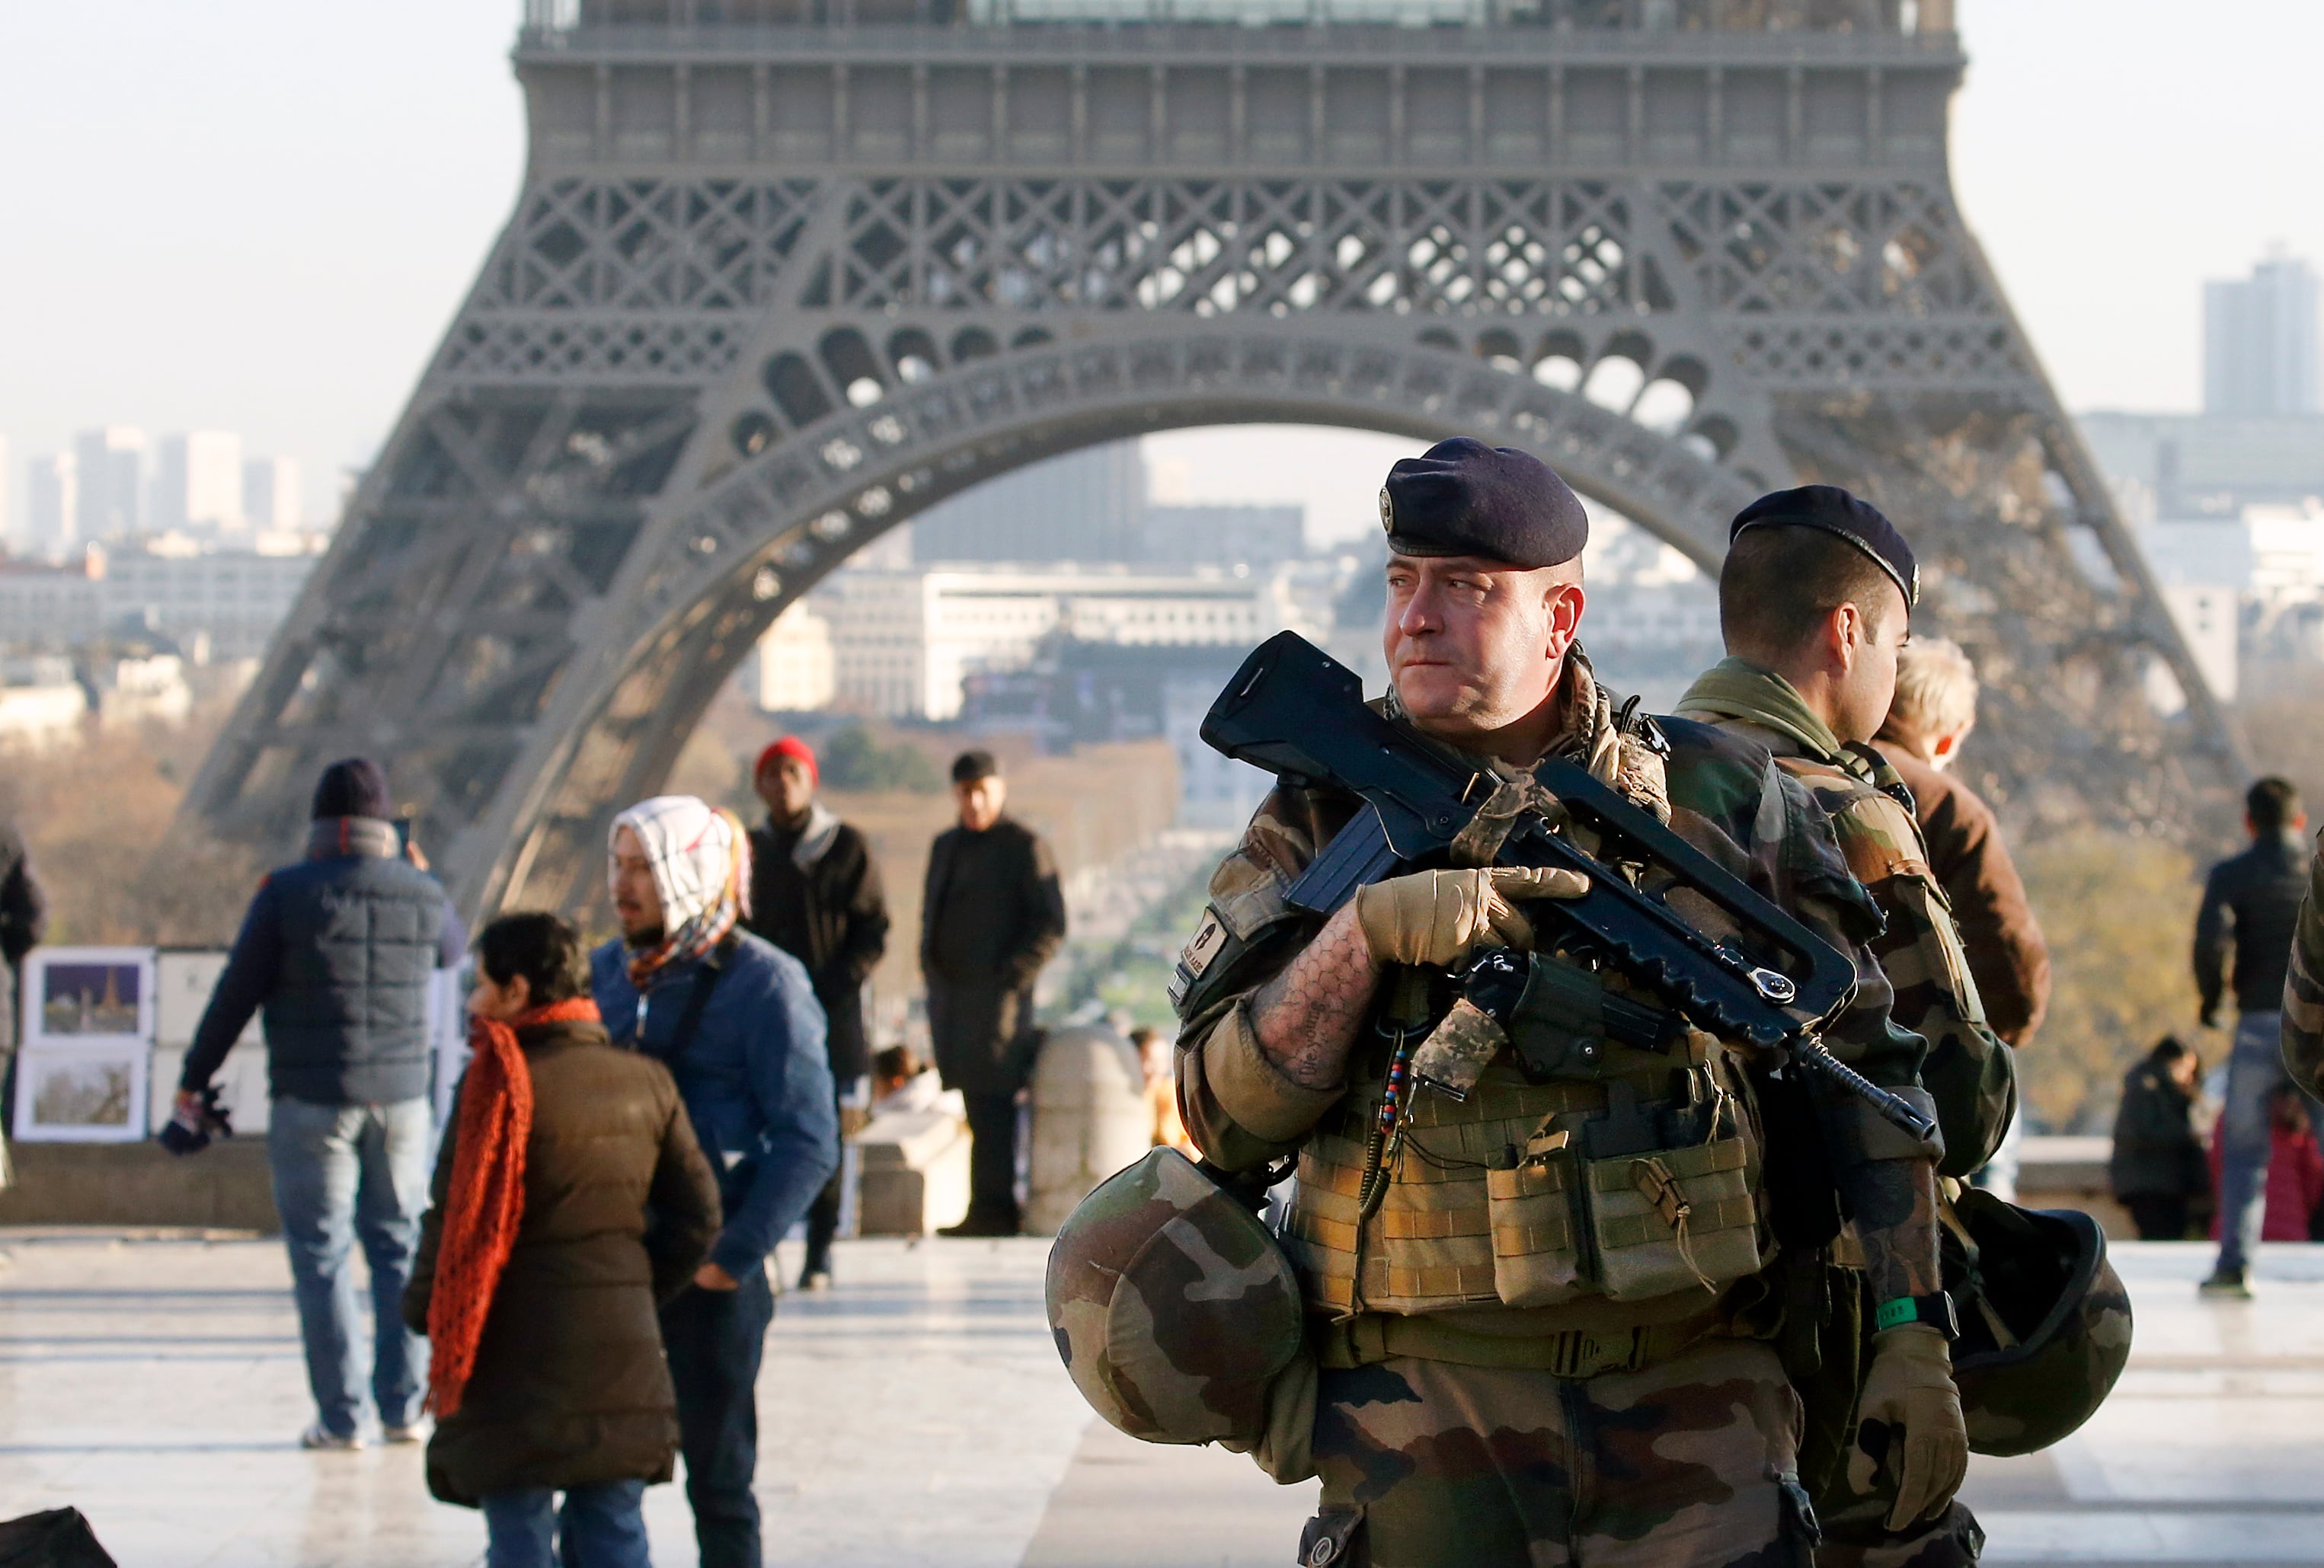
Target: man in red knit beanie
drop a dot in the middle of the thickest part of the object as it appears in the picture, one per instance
(815, 894)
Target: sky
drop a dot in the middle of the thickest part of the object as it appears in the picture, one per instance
(260, 215)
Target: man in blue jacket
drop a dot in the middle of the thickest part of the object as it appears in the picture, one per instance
(735, 1021)
(338, 951)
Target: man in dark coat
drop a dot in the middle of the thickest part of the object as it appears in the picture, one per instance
(569, 1391)
(338, 950)
(23, 915)
(815, 894)
(2251, 901)
(992, 916)
(2158, 1168)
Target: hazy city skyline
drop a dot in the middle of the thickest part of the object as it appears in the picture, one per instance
(296, 197)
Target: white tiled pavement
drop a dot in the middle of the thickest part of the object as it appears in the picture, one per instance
(916, 1414)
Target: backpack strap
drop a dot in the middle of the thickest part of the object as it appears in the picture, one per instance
(698, 998)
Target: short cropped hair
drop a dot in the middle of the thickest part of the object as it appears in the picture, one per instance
(896, 1062)
(1778, 586)
(547, 949)
(2272, 804)
(2170, 1049)
(1936, 689)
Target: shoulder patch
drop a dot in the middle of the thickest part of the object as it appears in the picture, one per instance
(1205, 944)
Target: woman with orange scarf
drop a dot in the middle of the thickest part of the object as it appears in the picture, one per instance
(571, 1198)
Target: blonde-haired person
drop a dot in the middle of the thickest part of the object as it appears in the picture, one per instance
(1929, 720)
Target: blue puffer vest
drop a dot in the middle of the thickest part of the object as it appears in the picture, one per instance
(346, 1021)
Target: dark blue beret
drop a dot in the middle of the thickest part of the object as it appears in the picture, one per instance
(1463, 498)
(1836, 512)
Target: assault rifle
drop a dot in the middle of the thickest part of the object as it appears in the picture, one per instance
(1297, 713)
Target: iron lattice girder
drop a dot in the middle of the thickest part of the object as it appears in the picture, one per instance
(677, 396)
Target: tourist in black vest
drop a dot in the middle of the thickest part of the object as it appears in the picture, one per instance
(337, 950)
(815, 894)
(992, 916)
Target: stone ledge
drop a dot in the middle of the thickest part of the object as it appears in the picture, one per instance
(226, 1187)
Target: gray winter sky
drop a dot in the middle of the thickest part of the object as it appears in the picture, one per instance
(259, 214)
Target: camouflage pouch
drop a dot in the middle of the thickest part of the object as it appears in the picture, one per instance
(1537, 1257)
(1664, 1221)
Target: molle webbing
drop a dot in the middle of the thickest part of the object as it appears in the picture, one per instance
(1431, 1244)
(1371, 1337)
(1617, 1176)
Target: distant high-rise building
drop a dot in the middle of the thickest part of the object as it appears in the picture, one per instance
(270, 493)
(1082, 506)
(2259, 341)
(1223, 535)
(197, 484)
(52, 504)
(112, 469)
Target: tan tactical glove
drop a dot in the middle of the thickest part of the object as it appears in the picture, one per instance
(1434, 918)
(1910, 1385)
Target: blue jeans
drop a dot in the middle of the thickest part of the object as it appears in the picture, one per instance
(605, 1526)
(2255, 1073)
(340, 1172)
(715, 1339)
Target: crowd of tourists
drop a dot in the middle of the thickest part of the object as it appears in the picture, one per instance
(638, 1124)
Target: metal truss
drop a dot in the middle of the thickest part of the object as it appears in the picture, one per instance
(676, 399)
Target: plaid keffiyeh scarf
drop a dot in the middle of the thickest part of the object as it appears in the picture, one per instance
(701, 859)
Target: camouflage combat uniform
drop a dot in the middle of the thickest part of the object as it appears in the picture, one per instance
(2303, 986)
(1484, 1397)
(1968, 1071)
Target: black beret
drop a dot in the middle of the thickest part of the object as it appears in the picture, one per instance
(970, 766)
(1836, 512)
(1463, 498)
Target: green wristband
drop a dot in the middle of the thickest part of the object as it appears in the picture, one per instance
(1936, 1311)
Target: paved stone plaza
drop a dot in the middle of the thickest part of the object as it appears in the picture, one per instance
(917, 1415)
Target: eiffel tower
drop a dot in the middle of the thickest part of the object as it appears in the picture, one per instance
(784, 272)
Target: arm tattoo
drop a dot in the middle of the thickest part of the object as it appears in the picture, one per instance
(1306, 1017)
(1895, 1204)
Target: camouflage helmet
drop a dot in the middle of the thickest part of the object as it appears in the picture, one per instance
(1172, 1304)
(2044, 1321)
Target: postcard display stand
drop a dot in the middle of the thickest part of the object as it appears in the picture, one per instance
(106, 1030)
(83, 1076)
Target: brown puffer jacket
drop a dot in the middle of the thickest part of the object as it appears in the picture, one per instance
(570, 1387)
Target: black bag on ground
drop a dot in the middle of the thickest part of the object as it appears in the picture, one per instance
(58, 1538)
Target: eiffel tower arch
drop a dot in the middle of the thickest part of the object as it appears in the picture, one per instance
(785, 272)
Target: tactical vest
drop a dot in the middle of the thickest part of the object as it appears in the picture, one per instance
(1636, 1177)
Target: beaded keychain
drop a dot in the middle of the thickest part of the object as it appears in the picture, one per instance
(1387, 1138)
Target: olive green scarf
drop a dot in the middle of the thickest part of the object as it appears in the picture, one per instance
(1736, 688)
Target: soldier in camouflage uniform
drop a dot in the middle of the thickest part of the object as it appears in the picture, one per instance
(1813, 615)
(2303, 986)
(1531, 1351)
